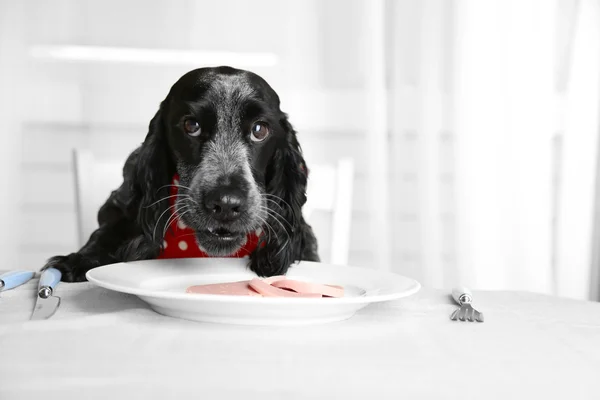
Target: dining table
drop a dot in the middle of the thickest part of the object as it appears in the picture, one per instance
(102, 344)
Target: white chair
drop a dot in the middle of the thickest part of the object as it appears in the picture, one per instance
(329, 189)
(94, 181)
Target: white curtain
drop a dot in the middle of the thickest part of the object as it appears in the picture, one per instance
(580, 100)
(492, 147)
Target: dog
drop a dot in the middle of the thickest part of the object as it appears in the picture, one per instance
(222, 159)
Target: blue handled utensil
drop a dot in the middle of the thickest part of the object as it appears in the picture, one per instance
(12, 279)
(46, 303)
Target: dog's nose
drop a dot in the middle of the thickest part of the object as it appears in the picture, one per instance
(225, 204)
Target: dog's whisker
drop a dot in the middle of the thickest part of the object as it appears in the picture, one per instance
(282, 247)
(279, 206)
(271, 230)
(170, 220)
(273, 214)
(176, 215)
(190, 198)
(183, 186)
(187, 234)
(158, 221)
(271, 211)
(283, 228)
(268, 226)
(279, 222)
(173, 185)
(164, 186)
(277, 198)
(169, 197)
(274, 202)
(187, 210)
(293, 215)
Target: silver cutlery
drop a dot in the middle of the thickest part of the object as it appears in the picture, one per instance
(46, 303)
(466, 312)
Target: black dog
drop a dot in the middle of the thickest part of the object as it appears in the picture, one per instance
(240, 168)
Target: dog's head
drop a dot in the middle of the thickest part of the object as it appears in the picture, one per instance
(239, 163)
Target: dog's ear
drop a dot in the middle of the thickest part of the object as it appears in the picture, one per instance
(290, 173)
(285, 183)
(152, 174)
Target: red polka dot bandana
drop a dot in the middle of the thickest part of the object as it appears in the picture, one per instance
(180, 241)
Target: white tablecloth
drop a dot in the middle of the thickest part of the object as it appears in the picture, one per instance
(105, 345)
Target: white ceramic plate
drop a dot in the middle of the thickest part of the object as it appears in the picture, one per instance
(162, 284)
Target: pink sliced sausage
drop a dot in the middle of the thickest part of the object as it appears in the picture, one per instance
(275, 286)
(309, 287)
(229, 288)
(267, 290)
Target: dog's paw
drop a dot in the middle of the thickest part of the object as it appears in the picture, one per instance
(265, 267)
(73, 267)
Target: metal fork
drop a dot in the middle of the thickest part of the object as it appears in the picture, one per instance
(466, 312)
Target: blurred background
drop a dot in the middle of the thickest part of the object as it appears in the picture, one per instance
(472, 126)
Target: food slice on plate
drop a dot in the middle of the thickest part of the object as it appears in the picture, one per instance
(267, 290)
(227, 288)
(275, 286)
(309, 287)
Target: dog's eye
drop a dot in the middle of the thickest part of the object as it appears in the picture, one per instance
(260, 131)
(192, 127)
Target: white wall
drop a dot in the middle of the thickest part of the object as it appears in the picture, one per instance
(13, 75)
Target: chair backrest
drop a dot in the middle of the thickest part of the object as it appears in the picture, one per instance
(94, 181)
(329, 189)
